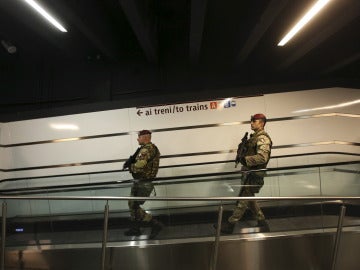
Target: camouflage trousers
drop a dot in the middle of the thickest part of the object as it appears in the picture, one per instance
(252, 184)
(140, 189)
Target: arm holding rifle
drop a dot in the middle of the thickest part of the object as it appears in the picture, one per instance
(131, 159)
(240, 155)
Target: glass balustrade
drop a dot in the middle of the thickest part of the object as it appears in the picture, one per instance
(34, 222)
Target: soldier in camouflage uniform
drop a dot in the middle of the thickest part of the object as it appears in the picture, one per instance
(257, 155)
(143, 167)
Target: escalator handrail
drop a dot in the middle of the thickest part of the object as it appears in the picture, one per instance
(173, 179)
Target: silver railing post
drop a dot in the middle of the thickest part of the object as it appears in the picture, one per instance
(338, 236)
(3, 234)
(217, 237)
(105, 234)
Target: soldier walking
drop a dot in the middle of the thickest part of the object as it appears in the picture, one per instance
(256, 156)
(143, 166)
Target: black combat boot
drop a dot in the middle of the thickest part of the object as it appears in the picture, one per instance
(264, 225)
(134, 229)
(156, 227)
(227, 227)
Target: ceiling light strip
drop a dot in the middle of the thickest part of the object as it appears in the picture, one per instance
(304, 20)
(45, 14)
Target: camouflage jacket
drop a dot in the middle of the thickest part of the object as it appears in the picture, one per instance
(147, 162)
(258, 150)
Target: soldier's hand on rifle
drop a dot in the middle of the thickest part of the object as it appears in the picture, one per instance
(127, 164)
(131, 159)
(241, 151)
(243, 161)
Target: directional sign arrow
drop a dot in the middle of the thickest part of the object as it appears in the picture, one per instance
(139, 112)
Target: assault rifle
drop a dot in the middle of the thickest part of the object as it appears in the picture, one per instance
(131, 159)
(241, 150)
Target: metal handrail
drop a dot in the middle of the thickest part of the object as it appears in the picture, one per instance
(158, 181)
(190, 164)
(105, 235)
(3, 235)
(338, 236)
(217, 237)
(341, 200)
(112, 198)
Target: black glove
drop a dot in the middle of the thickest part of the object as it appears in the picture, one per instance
(127, 163)
(243, 161)
(131, 159)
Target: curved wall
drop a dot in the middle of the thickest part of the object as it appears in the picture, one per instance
(302, 122)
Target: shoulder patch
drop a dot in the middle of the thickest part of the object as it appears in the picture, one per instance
(144, 153)
(263, 140)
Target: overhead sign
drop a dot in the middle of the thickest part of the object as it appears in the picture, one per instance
(186, 108)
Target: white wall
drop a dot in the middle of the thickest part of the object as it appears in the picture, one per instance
(179, 129)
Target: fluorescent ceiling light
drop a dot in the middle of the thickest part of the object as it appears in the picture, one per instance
(66, 140)
(45, 14)
(64, 126)
(340, 105)
(304, 20)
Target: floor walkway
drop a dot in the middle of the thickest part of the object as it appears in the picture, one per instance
(170, 232)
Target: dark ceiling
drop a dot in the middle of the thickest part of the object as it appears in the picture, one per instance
(153, 51)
